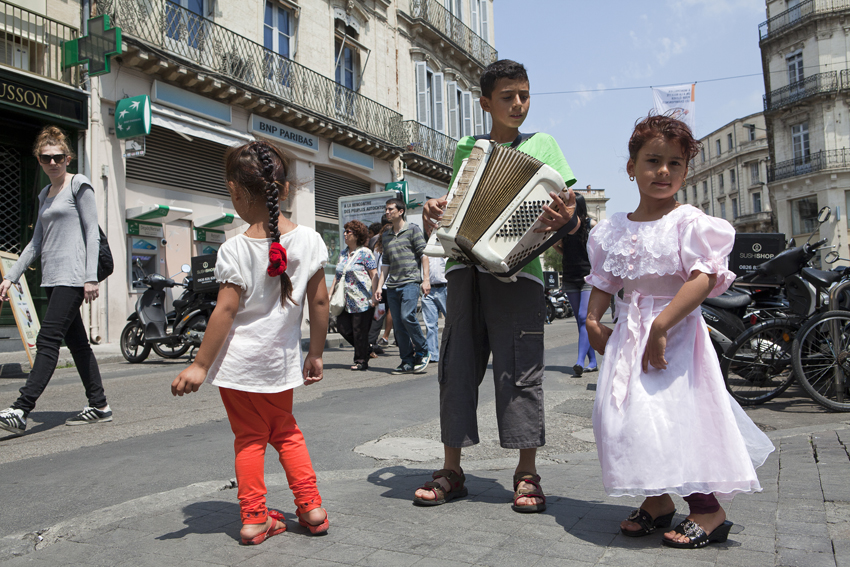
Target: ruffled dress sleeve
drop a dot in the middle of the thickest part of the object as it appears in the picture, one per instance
(596, 254)
(705, 246)
(227, 266)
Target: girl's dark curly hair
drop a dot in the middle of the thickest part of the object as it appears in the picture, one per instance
(667, 127)
(262, 169)
(359, 230)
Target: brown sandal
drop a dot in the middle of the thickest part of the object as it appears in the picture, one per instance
(455, 480)
(537, 492)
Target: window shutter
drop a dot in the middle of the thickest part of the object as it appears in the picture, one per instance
(167, 151)
(422, 102)
(474, 16)
(454, 122)
(439, 94)
(330, 186)
(466, 99)
(485, 27)
(488, 123)
(479, 116)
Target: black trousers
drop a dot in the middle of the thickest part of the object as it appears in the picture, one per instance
(62, 321)
(354, 328)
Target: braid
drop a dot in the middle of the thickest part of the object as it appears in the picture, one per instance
(264, 154)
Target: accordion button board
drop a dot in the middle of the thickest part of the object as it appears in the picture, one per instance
(494, 208)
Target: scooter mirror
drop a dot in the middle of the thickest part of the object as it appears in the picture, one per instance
(186, 268)
(792, 243)
(831, 257)
(824, 214)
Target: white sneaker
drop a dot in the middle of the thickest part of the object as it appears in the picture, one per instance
(13, 420)
(90, 415)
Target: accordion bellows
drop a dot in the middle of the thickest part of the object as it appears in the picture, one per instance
(493, 210)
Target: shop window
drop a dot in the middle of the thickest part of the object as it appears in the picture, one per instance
(804, 215)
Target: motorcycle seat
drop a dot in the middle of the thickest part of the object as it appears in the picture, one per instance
(729, 301)
(180, 303)
(821, 278)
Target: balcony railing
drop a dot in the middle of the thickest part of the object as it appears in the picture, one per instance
(802, 12)
(33, 43)
(821, 161)
(429, 143)
(451, 28)
(168, 26)
(810, 86)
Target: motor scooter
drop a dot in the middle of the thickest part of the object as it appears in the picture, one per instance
(557, 305)
(170, 334)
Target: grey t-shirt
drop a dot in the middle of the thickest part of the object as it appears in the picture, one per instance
(66, 237)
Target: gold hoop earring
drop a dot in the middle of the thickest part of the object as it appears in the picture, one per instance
(631, 177)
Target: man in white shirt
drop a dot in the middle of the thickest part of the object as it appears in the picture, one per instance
(434, 303)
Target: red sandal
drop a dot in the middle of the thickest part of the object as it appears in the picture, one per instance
(536, 492)
(457, 490)
(277, 527)
(315, 529)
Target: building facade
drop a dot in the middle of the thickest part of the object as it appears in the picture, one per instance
(361, 93)
(805, 63)
(728, 178)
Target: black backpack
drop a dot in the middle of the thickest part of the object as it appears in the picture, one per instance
(105, 264)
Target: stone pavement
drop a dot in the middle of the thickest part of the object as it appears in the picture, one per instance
(802, 518)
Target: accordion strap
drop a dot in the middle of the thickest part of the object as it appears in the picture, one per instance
(514, 145)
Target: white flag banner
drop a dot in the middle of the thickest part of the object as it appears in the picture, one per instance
(678, 101)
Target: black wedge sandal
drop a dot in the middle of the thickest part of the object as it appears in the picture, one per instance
(697, 536)
(647, 524)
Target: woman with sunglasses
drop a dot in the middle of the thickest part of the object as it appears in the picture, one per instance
(66, 237)
(356, 271)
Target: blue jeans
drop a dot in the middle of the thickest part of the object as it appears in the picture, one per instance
(402, 302)
(432, 305)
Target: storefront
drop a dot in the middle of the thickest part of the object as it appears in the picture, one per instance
(27, 104)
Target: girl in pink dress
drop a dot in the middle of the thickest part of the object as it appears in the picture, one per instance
(663, 420)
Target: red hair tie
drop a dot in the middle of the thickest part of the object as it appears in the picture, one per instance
(277, 260)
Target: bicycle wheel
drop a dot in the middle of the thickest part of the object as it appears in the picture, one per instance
(757, 366)
(822, 359)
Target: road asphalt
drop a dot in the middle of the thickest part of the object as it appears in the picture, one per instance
(801, 518)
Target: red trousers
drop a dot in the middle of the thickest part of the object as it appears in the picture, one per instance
(258, 420)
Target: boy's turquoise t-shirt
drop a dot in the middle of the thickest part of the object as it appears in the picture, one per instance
(540, 146)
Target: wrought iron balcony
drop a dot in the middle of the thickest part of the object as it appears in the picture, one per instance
(801, 13)
(167, 26)
(33, 43)
(428, 151)
(821, 161)
(795, 92)
(452, 29)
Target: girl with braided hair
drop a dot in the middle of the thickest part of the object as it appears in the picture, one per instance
(252, 347)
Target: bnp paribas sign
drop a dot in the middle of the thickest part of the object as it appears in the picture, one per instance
(133, 117)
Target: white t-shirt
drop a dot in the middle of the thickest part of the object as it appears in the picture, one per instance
(262, 352)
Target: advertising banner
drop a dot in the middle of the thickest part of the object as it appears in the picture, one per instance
(679, 101)
(20, 301)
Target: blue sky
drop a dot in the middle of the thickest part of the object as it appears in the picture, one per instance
(568, 45)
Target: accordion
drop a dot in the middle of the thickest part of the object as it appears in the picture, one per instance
(493, 210)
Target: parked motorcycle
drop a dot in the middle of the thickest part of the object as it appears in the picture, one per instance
(557, 305)
(170, 334)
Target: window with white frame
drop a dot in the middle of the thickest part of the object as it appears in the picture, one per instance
(754, 173)
(455, 8)
(804, 215)
(751, 133)
(695, 194)
(278, 34)
(800, 143)
(729, 141)
(702, 150)
(347, 75)
(705, 190)
(184, 23)
(460, 111)
(732, 179)
(717, 144)
(480, 19)
(430, 97)
(720, 181)
(794, 62)
(723, 209)
(756, 202)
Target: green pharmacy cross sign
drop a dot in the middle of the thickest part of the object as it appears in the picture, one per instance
(95, 48)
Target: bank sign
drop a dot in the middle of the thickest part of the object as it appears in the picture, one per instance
(23, 93)
(276, 131)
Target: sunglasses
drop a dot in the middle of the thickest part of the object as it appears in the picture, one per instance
(47, 158)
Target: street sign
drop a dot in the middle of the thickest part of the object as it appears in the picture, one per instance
(95, 48)
(133, 117)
